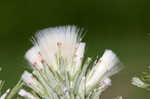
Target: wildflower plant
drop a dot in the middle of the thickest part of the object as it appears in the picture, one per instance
(60, 70)
(143, 81)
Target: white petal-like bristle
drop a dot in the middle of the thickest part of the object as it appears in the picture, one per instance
(34, 58)
(52, 39)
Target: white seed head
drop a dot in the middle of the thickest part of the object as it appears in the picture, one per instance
(34, 58)
(109, 59)
(107, 66)
(26, 94)
(51, 40)
(137, 82)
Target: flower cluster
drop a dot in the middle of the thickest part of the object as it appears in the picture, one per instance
(60, 70)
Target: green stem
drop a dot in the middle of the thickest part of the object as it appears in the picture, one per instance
(15, 89)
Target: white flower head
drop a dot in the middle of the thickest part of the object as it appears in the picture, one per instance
(34, 58)
(137, 82)
(110, 61)
(107, 66)
(26, 94)
(63, 39)
(62, 51)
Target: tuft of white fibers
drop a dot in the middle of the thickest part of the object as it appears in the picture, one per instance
(34, 58)
(111, 62)
(107, 66)
(137, 82)
(26, 95)
(5, 94)
(60, 40)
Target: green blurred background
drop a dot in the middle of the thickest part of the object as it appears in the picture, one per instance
(120, 25)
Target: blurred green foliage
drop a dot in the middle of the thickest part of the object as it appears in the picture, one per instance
(120, 25)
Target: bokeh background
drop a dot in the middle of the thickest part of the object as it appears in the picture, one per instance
(120, 25)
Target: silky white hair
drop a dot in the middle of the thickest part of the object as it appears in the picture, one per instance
(49, 40)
